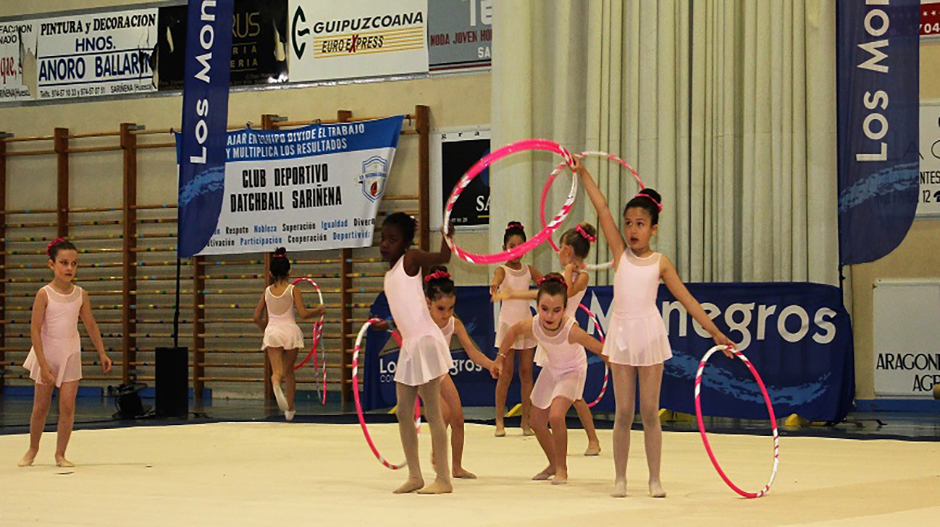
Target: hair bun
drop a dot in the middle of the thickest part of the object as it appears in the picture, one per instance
(435, 268)
(590, 229)
(52, 244)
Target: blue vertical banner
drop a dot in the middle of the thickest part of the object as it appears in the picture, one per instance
(878, 104)
(205, 119)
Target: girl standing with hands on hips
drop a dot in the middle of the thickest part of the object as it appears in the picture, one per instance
(55, 360)
(637, 344)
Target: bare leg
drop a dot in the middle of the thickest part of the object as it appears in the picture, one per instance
(290, 382)
(526, 360)
(502, 390)
(651, 378)
(431, 396)
(540, 426)
(587, 421)
(67, 393)
(409, 436)
(556, 416)
(42, 399)
(625, 393)
(277, 368)
(453, 416)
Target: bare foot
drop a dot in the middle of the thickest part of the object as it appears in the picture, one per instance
(561, 477)
(60, 461)
(500, 431)
(28, 458)
(410, 485)
(438, 487)
(620, 489)
(545, 474)
(460, 473)
(656, 489)
(593, 449)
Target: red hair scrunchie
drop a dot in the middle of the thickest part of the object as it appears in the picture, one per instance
(559, 279)
(585, 235)
(52, 244)
(437, 275)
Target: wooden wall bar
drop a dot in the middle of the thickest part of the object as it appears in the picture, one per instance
(127, 254)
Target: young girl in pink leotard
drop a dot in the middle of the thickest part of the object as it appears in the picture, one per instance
(55, 360)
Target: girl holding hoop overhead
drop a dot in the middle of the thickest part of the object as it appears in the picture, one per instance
(637, 344)
(562, 379)
(282, 336)
(514, 275)
(55, 360)
(424, 359)
(440, 293)
(575, 246)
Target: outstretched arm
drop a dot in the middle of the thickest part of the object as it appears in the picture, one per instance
(470, 347)
(531, 294)
(516, 294)
(522, 328)
(302, 309)
(604, 217)
(671, 277)
(579, 336)
(92, 328)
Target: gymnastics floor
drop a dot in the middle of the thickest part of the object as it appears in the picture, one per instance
(276, 473)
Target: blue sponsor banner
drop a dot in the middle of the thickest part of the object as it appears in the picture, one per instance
(316, 139)
(308, 189)
(797, 335)
(205, 119)
(878, 104)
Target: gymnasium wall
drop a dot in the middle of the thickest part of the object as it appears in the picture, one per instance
(95, 180)
(454, 100)
(918, 256)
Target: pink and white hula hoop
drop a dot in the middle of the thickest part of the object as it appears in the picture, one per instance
(600, 332)
(362, 419)
(551, 179)
(317, 338)
(701, 423)
(486, 161)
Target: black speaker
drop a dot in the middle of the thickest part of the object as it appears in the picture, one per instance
(172, 382)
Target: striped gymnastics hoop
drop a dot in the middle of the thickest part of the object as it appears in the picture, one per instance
(486, 161)
(600, 331)
(362, 419)
(551, 179)
(701, 423)
(317, 338)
